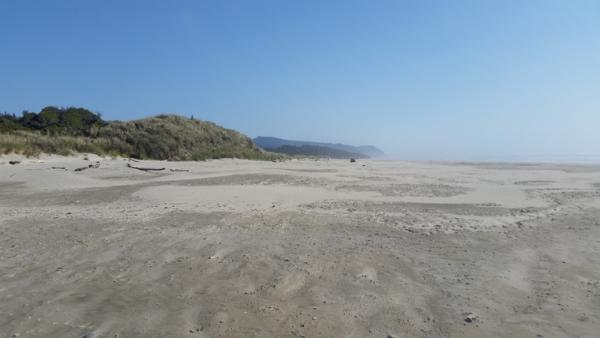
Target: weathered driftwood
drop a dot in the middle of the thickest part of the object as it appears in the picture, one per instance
(62, 168)
(145, 169)
(14, 162)
(179, 170)
(95, 165)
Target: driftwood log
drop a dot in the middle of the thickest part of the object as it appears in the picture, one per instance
(179, 170)
(94, 165)
(144, 169)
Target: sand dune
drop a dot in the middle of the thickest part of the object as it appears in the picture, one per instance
(301, 248)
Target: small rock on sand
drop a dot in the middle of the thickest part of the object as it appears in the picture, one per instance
(470, 317)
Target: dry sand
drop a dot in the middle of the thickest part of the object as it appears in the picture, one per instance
(305, 248)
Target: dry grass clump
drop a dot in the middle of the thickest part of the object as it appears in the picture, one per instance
(31, 143)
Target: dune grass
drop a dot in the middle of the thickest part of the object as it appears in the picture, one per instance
(34, 143)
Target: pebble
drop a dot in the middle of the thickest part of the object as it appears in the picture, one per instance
(470, 317)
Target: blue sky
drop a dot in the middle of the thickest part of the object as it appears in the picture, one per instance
(420, 79)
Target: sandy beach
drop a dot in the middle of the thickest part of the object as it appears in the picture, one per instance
(300, 248)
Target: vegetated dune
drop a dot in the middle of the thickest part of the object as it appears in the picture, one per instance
(164, 137)
(173, 137)
(299, 248)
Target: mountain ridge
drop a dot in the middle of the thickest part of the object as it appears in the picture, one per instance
(273, 143)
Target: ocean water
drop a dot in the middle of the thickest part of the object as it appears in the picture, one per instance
(591, 159)
(568, 159)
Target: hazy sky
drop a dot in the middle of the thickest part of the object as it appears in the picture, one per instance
(420, 79)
